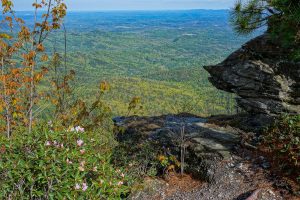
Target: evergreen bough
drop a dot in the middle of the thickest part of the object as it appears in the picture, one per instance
(282, 17)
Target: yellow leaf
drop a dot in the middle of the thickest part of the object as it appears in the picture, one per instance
(5, 36)
(14, 101)
(15, 115)
(104, 86)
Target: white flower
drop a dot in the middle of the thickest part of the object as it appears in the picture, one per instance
(77, 186)
(95, 169)
(82, 163)
(81, 169)
(79, 129)
(69, 161)
(84, 187)
(120, 183)
(48, 143)
(123, 175)
(50, 123)
(82, 151)
(80, 142)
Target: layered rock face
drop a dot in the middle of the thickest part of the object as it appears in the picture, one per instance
(262, 76)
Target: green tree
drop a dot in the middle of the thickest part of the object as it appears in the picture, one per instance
(282, 17)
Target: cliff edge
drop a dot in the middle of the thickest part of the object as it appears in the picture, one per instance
(265, 80)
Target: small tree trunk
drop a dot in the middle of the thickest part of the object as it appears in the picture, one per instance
(7, 106)
(182, 161)
(31, 95)
(182, 150)
(8, 126)
(31, 100)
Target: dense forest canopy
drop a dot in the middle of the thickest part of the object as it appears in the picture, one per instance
(157, 55)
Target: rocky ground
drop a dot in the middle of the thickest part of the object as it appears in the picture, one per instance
(220, 162)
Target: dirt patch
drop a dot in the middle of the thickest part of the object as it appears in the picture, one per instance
(183, 183)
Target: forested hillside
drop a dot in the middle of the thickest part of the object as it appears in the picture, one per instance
(156, 55)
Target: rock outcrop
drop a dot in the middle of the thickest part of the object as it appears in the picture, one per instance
(265, 80)
(205, 146)
(220, 167)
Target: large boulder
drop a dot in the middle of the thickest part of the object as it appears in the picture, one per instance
(265, 80)
(206, 145)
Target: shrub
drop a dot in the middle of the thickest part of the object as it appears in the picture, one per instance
(143, 157)
(60, 165)
(281, 16)
(282, 140)
(139, 157)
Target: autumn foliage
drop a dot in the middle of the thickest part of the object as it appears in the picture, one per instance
(22, 61)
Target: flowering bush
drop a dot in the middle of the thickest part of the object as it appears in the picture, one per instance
(59, 165)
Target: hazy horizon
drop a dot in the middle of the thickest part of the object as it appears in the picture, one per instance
(153, 10)
(135, 5)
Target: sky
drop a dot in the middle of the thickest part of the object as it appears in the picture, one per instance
(93, 5)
